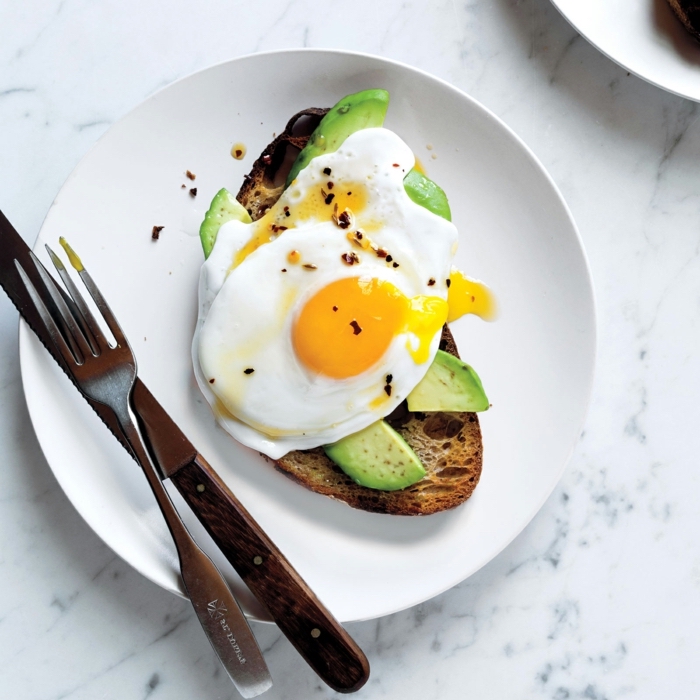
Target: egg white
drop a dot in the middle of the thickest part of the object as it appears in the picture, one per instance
(246, 313)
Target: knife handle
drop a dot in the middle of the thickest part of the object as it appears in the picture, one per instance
(301, 616)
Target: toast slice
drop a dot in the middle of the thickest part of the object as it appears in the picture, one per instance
(448, 444)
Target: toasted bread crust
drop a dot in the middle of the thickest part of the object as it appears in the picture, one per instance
(688, 12)
(264, 184)
(448, 444)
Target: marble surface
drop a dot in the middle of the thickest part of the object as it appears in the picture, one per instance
(599, 598)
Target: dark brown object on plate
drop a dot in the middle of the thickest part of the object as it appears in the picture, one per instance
(688, 12)
(155, 233)
(448, 444)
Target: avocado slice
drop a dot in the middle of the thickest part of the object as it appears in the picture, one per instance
(449, 385)
(224, 207)
(422, 190)
(378, 458)
(361, 110)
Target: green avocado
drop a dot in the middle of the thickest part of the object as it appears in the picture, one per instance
(361, 110)
(378, 458)
(424, 191)
(449, 385)
(224, 207)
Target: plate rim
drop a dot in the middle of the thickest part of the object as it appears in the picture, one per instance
(25, 331)
(646, 79)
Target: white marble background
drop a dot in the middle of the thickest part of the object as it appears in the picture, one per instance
(599, 598)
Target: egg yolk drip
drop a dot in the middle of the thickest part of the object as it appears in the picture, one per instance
(318, 203)
(347, 326)
(467, 296)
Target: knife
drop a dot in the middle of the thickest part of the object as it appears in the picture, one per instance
(300, 615)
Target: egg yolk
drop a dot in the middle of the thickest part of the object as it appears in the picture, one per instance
(347, 326)
(467, 296)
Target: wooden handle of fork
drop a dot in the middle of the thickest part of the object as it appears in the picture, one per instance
(301, 616)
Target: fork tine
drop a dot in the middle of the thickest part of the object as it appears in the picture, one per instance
(100, 302)
(66, 352)
(80, 309)
(74, 335)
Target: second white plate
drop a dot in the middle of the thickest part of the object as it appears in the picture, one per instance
(642, 36)
(536, 362)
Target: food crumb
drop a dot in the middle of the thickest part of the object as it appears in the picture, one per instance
(193, 192)
(190, 175)
(212, 380)
(183, 186)
(356, 329)
(350, 258)
(155, 233)
(249, 370)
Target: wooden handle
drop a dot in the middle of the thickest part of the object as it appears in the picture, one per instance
(301, 616)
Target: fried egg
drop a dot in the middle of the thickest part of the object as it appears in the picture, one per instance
(320, 318)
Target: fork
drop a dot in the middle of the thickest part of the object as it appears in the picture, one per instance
(106, 373)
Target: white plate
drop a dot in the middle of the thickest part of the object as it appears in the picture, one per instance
(642, 36)
(536, 361)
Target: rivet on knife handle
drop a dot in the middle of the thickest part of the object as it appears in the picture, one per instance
(300, 615)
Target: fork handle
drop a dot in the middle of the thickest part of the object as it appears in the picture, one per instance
(219, 614)
(301, 616)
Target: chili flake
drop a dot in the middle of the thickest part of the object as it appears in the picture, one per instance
(344, 220)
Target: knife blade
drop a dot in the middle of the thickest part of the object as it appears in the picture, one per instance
(300, 615)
